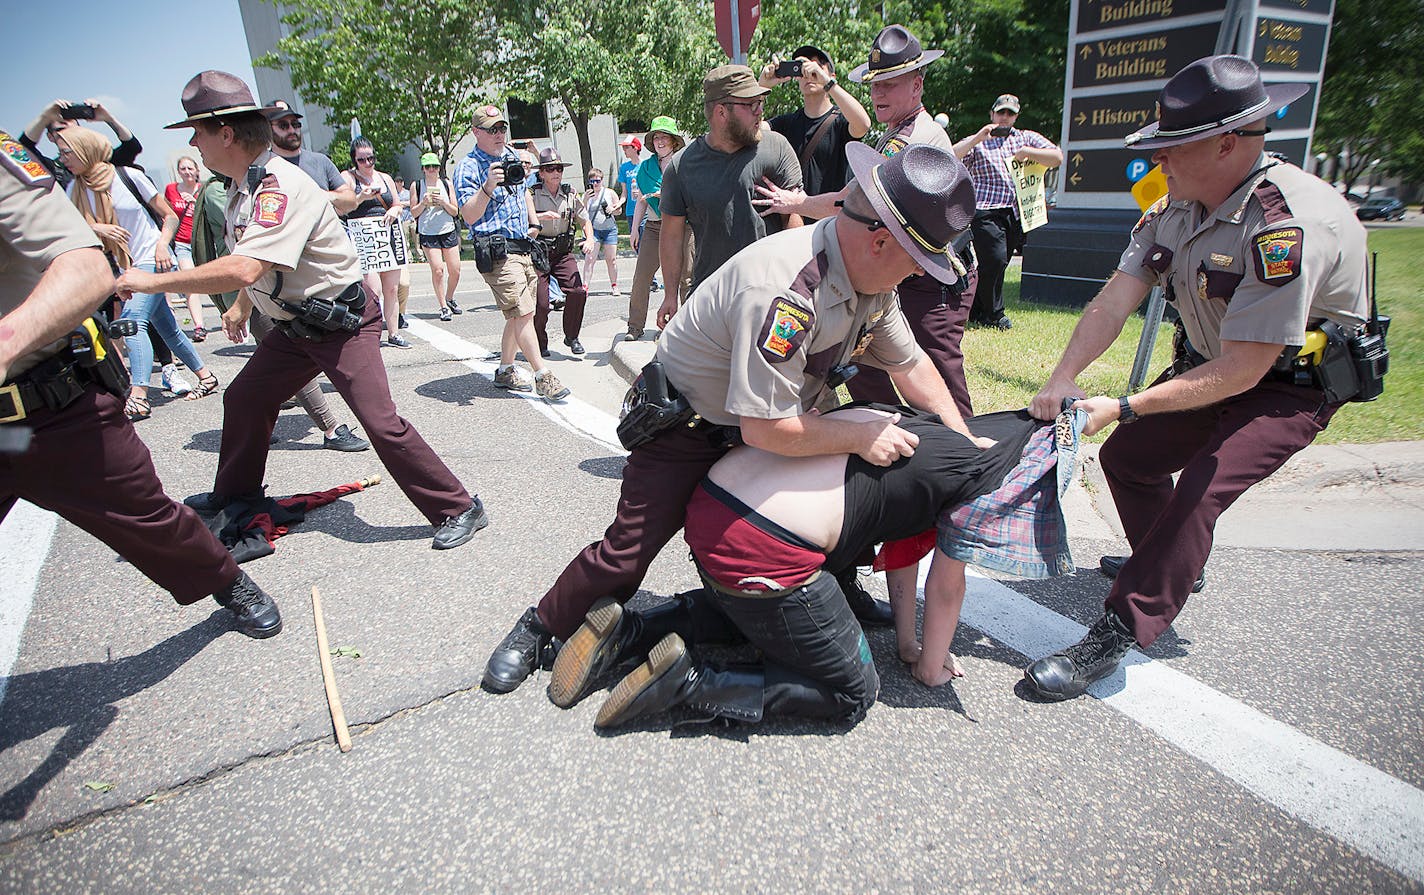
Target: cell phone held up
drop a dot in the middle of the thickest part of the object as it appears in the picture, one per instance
(1001, 131)
(76, 111)
(791, 68)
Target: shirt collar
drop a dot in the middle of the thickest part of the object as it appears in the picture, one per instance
(835, 286)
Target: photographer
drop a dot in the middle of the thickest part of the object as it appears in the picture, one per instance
(559, 208)
(987, 154)
(62, 114)
(829, 117)
(493, 200)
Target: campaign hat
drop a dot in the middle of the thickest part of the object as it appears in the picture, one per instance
(895, 52)
(923, 196)
(1211, 96)
(211, 94)
(550, 158)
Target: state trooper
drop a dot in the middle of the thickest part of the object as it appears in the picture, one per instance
(1255, 252)
(62, 388)
(296, 264)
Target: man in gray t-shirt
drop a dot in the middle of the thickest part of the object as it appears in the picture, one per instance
(287, 142)
(710, 184)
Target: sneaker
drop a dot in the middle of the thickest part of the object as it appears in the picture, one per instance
(445, 314)
(344, 440)
(545, 353)
(457, 530)
(1003, 323)
(512, 380)
(397, 341)
(574, 345)
(174, 383)
(454, 306)
(656, 285)
(400, 322)
(549, 387)
(557, 304)
(633, 335)
(527, 646)
(1068, 674)
(254, 612)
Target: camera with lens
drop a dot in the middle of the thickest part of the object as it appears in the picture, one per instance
(514, 172)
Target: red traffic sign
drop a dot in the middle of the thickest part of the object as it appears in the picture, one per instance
(748, 12)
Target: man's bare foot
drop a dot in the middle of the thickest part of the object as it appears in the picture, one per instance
(910, 652)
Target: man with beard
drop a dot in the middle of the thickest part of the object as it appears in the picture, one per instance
(287, 142)
(710, 183)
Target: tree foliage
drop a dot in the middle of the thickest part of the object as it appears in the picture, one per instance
(402, 67)
(1369, 101)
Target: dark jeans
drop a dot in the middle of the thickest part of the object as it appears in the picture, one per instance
(817, 660)
(996, 236)
(1220, 450)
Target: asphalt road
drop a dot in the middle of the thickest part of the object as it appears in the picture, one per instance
(1270, 741)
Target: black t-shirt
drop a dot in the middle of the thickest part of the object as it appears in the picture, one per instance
(885, 503)
(827, 169)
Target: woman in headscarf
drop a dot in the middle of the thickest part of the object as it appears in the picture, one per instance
(647, 223)
(124, 209)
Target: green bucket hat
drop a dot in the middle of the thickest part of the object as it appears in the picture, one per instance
(664, 124)
(429, 158)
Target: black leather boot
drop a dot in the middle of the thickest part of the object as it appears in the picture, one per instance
(609, 637)
(528, 645)
(870, 612)
(254, 613)
(1066, 675)
(670, 678)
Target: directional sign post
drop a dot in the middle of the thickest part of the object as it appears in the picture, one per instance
(1120, 53)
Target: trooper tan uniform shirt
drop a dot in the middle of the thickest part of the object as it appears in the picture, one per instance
(37, 225)
(919, 128)
(570, 208)
(288, 221)
(1281, 254)
(759, 337)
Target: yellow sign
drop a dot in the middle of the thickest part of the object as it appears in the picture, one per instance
(1150, 188)
(1028, 191)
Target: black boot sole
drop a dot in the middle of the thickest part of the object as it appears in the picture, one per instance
(620, 707)
(573, 669)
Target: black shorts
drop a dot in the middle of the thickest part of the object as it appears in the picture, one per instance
(449, 240)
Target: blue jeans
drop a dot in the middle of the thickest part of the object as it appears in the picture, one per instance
(151, 309)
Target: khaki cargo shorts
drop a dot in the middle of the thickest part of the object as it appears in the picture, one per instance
(513, 282)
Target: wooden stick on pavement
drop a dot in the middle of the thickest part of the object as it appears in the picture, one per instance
(328, 677)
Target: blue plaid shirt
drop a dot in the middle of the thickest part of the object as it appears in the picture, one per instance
(988, 165)
(507, 212)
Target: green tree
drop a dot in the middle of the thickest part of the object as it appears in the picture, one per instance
(626, 59)
(402, 67)
(1369, 101)
(844, 29)
(992, 47)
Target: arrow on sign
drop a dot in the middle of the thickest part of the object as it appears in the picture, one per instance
(1077, 159)
(1082, 117)
(1075, 179)
(1086, 51)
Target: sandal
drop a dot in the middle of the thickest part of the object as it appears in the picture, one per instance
(206, 386)
(199, 334)
(136, 408)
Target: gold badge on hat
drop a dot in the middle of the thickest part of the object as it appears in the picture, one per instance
(875, 55)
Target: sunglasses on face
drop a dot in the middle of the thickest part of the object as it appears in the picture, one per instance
(497, 129)
(363, 159)
(430, 167)
(595, 180)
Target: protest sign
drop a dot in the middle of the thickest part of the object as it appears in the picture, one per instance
(1028, 192)
(379, 245)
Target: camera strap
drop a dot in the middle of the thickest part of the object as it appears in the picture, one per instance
(818, 135)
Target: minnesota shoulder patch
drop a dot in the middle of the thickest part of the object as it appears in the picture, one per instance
(784, 331)
(1277, 255)
(1155, 209)
(268, 209)
(18, 160)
